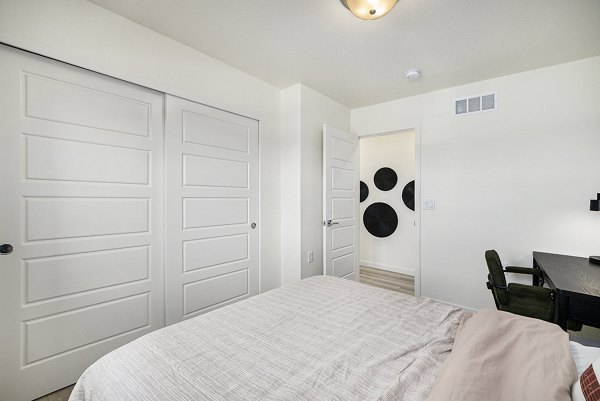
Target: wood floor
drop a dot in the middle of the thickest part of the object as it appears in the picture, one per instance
(388, 280)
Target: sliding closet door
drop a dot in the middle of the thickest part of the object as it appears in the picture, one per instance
(212, 208)
(81, 199)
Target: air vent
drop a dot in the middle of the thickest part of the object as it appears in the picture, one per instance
(476, 104)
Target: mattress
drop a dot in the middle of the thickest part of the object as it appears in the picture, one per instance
(321, 338)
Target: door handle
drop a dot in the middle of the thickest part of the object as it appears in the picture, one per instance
(6, 249)
(329, 223)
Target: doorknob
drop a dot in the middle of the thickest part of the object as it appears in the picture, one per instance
(5, 249)
(253, 226)
(329, 223)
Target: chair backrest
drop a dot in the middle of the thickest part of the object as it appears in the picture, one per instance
(496, 276)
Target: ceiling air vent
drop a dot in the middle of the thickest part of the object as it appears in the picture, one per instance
(476, 104)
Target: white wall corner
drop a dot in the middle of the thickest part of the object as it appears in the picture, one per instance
(291, 207)
(316, 110)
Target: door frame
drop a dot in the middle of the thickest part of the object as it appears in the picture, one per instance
(417, 130)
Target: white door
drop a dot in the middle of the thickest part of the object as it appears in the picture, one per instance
(212, 208)
(341, 192)
(80, 194)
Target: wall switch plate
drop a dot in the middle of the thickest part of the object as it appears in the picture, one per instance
(429, 204)
(311, 256)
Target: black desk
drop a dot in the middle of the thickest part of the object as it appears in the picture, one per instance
(577, 284)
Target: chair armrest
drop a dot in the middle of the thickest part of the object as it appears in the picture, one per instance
(499, 287)
(529, 291)
(522, 270)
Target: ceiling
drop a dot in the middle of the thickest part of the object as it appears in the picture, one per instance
(321, 44)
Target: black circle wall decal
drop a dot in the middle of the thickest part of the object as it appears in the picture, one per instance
(380, 219)
(408, 195)
(364, 191)
(385, 178)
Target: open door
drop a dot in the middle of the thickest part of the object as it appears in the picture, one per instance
(341, 191)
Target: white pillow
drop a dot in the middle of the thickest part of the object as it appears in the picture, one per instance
(587, 387)
(583, 356)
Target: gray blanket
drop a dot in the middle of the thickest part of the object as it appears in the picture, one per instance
(322, 338)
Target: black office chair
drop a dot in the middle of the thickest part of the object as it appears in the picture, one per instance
(521, 299)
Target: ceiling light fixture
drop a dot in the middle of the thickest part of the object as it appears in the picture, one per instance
(369, 9)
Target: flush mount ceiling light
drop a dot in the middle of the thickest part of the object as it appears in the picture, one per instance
(369, 9)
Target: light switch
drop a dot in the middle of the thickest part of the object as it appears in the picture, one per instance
(429, 204)
(310, 256)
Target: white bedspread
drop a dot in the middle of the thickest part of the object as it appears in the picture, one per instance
(322, 338)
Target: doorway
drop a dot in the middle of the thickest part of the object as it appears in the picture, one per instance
(388, 231)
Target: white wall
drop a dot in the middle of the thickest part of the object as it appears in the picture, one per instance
(398, 252)
(518, 179)
(291, 199)
(88, 36)
(305, 112)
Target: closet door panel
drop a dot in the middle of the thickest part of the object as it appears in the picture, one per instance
(54, 159)
(211, 205)
(82, 200)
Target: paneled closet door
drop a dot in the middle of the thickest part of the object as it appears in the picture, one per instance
(81, 189)
(211, 208)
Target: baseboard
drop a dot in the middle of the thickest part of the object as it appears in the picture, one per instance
(395, 269)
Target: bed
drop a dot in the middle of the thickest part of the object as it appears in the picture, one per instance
(321, 338)
(326, 338)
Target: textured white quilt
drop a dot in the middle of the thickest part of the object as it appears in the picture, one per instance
(322, 338)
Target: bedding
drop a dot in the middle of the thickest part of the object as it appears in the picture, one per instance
(499, 356)
(321, 338)
(587, 387)
(583, 355)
